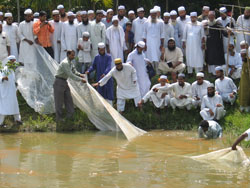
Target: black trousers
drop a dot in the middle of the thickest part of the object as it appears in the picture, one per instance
(50, 51)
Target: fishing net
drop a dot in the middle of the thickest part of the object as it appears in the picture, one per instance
(35, 83)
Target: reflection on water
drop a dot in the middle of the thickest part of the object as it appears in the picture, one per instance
(100, 159)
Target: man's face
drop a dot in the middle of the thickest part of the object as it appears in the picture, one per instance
(84, 17)
(219, 74)
(121, 12)
(139, 49)
(243, 56)
(119, 66)
(223, 16)
(62, 11)
(92, 16)
(205, 12)
(71, 56)
(181, 81)
(153, 16)
(199, 80)
(56, 18)
(9, 20)
(140, 14)
(211, 17)
(78, 17)
(12, 61)
(101, 51)
(98, 17)
(110, 15)
(182, 13)
(28, 17)
(210, 91)
(71, 18)
(193, 19)
(173, 17)
(128, 27)
(163, 82)
(231, 47)
(244, 46)
(166, 19)
(115, 23)
(171, 45)
(43, 18)
(246, 14)
(131, 16)
(1, 18)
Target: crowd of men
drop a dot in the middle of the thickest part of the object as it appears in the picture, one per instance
(133, 49)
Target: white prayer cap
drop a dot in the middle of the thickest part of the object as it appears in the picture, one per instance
(152, 11)
(141, 44)
(171, 38)
(141, 9)
(211, 12)
(157, 8)
(8, 15)
(91, 12)
(85, 34)
(1, 13)
(218, 68)
(109, 10)
(200, 74)
(101, 45)
(163, 77)
(193, 14)
(28, 11)
(206, 8)
(84, 12)
(60, 7)
(121, 7)
(166, 14)
(243, 42)
(70, 14)
(36, 14)
(104, 13)
(55, 12)
(115, 18)
(11, 57)
(181, 75)
(210, 85)
(99, 12)
(173, 13)
(181, 8)
(243, 51)
(223, 10)
(131, 12)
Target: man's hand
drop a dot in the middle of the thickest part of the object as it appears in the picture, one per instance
(82, 76)
(87, 72)
(140, 103)
(234, 147)
(95, 84)
(5, 78)
(163, 95)
(58, 41)
(219, 105)
(28, 41)
(80, 47)
(197, 98)
(102, 75)
(211, 112)
(231, 95)
(37, 41)
(155, 89)
(83, 81)
(181, 97)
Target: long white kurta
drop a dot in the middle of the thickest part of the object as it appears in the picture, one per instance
(181, 26)
(176, 26)
(97, 35)
(138, 62)
(82, 28)
(192, 35)
(153, 33)
(55, 37)
(27, 52)
(126, 88)
(242, 24)
(199, 91)
(116, 40)
(4, 42)
(235, 61)
(225, 87)
(8, 98)
(12, 32)
(156, 97)
(68, 39)
(210, 103)
(168, 32)
(137, 29)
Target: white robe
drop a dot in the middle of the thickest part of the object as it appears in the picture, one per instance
(55, 37)
(82, 28)
(225, 87)
(192, 35)
(12, 32)
(176, 26)
(8, 98)
(242, 24)
(138, 62)
(137, 29)
(181, 26)
(116, 40)
(97, 35)
(153, 33)
(27, 52)
(123, 21)
(169, 33)
(4, 42)
(199, 91)
(126, 88)
(68, 39)
(235, 61)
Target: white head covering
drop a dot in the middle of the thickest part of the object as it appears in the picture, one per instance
(193, 14)
(85, 34)
(28, 11)
(141, 9)
(84, 12)
(171, 38)
(1, 13)
(60, 7)
(141, 44)
(70, 14)
(181, 8)
(131, 12)
(91, 12)
(101, 45)
(200, 74)
(109, 10)
(243, 51)
(181, 75)
(211, 85)
(166, 14)
(8, 14)
(152, 11)
(157, 8)
(173, 13)
(243, 42)
(36, 14)
(223, 10)
(163, 77)
(218, 68)
(206, 8)
(115, 18)
(11, 57)
(121, 7)
(55, 12)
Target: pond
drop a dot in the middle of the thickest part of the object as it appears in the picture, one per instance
(158, 159)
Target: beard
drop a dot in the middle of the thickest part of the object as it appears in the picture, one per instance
(183, 17)
(28, 21)
(244, 59)
(246, 17)
(120, 17)
(211, 94)
(119, 69)
(71, 22)
(85, 22)
(211, 23)
(171, 48)
(139, 52)
(181, 84)
(63, 15)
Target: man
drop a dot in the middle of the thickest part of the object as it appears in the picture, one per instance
(234, 62)
(12, 31)
(84, 26)
(168, 29)
(68, 36)
(43, 29)
(245, 136)
(204, 15)
(35, 17)
(62, 93)
(212, 105)
(102, 66)
(137, 59)
(243, 23)
(127, 86)
(159, 99)
(182, 20)
(225, 86)
(209, 130)
(158, 12)
(121, 16)
(172, 60)
(4, 44)
(175, 24)
(199, 89)
(244, 45)
(78, 19)
(2, 18)
(97, 33)
(108, 20)
(244, 89)
(55, 37)
(115, 40)
(129, 39)
(214, 54)
(63, 15)
(91, 15)
(131, 16)
(137, 25)
(194, 44)
(226, 22)
(153, 36)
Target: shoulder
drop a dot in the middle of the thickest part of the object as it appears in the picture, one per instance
(187, 84)
(206, 82)
(194, 83)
